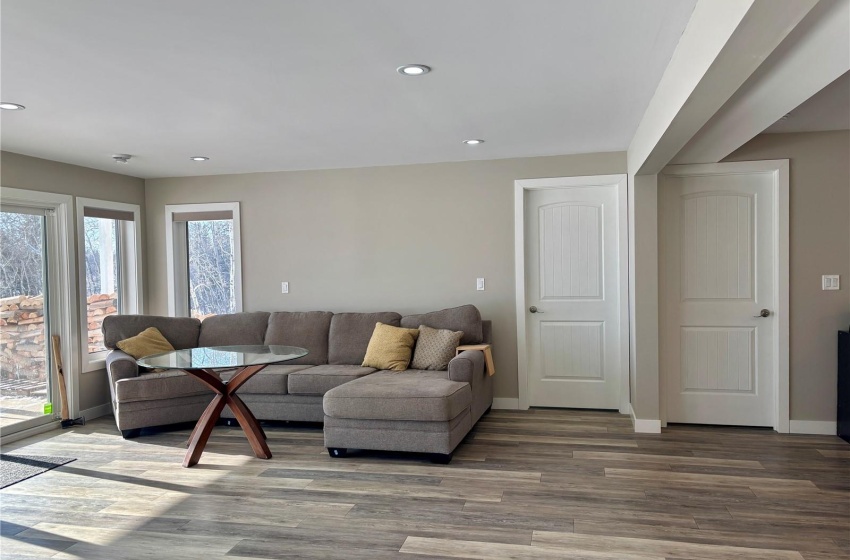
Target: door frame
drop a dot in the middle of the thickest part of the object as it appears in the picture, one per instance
(779, 169)
(620, 181)
(62, 288)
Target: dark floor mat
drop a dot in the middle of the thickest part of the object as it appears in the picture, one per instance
(15, 468)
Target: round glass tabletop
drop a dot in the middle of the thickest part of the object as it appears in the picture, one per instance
(217, 357)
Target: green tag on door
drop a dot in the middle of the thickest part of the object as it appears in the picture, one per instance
(48, 408)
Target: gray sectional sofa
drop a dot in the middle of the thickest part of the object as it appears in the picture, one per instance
(361, 408)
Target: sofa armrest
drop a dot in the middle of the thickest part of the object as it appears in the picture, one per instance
(467, 366)
(120, 365)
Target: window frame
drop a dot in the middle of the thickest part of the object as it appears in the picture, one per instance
(130, 276)
(176, 242)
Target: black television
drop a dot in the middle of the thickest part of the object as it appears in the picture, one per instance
(844, 385)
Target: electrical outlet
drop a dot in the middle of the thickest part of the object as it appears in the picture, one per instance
(829, 282)
(284, 287)
(479, 284)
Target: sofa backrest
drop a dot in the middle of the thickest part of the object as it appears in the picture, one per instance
(340, 338)
(309, 330)
(181, 332)
(234, 328)
(350, 334)
(487, 331)
(465, 318)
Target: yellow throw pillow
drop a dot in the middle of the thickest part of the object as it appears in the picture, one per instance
(390, 347)
(149, 341)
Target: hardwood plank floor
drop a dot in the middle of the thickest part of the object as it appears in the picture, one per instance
(524, 485)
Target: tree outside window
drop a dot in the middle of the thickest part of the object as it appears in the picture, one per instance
(103, 275)
(211, 274)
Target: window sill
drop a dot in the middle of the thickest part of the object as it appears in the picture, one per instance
(97, 364)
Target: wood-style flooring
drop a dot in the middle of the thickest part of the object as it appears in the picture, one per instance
(524, 485)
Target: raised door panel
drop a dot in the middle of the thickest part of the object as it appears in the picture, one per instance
(717, 359)
(571, 251)
(717, 255)
(573, 350)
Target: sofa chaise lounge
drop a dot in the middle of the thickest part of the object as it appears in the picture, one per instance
(361, 407)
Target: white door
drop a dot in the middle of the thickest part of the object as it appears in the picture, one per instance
(573, 287)
(718, 276)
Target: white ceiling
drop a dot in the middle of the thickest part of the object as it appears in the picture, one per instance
(277, 85)
(828, 109)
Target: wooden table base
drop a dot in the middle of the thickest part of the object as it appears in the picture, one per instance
(225, 394)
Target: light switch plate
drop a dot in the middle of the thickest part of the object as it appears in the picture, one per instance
(479, 284)
(830, 282)
(284, 287)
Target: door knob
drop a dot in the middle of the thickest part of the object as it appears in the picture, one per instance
(533, 309)
(763, 313)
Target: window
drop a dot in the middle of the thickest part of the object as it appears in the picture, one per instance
(110, 276)
(204, 262)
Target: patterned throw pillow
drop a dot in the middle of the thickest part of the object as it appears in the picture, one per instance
(435, 348)
(390, 347)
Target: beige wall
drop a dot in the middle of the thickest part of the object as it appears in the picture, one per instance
(820, 244)
(24, 172)
(405, 238)
(643, 298)
(414, 238)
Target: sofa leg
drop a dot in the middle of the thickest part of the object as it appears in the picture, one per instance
(337, 452)
(130, 434)
(486, 412)
(441, 458)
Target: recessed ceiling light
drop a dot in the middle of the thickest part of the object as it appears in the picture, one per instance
(413, 69)
(11, 106)
(473, 142)
(199, 158)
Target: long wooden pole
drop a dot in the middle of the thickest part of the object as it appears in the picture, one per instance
(60, 375)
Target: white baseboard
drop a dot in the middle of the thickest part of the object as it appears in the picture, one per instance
(817, 427)
(643, 426)
(11, 438)
(506, 404)
(97, 411)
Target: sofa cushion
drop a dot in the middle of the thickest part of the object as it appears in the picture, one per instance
(234, 328)
(308, 330)
(435, 348)
(390, 396)
(181, 332)
(147, 343)
(318, 380)
(350, 334)
(271, 380)
(465, 318)
(390, 348)
(169, 384)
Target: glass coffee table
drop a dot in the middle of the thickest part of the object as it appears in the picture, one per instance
(203, 364)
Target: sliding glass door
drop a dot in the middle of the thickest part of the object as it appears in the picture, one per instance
(26, 383)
